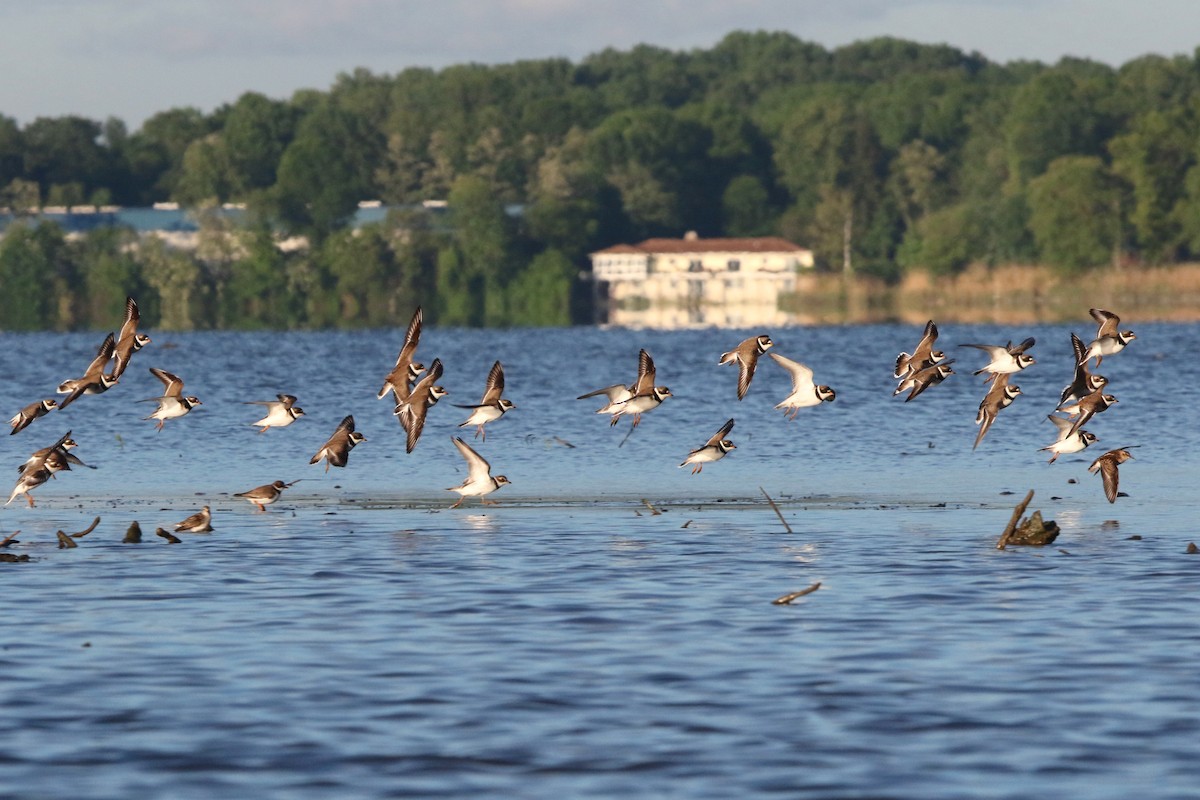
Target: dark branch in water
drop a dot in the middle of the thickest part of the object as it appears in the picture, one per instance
(778, 513)
(788, 598)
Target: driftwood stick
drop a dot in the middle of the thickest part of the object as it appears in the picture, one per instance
(86, 530)
(653, 511)
(1012, 522)
(12, 537)
(788, 598)
(778, 513)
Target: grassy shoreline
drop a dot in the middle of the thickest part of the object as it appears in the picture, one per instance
(1001, 295)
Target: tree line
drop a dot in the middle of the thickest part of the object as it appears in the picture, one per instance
(883, 156)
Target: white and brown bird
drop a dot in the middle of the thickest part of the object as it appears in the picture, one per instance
(29, 480)
(263, 496)
(1066, 442)
(746, 356)
(173, 403)
(1005, 359)
(129, 341)
(55, 458)
(280, 412)
(716, 448)
(998, 397)
(805, 392)
(1084, 382)
(1107, 465)
(1088, 407)
(918, 382)
(922, 356)
(22, 419)
(644, 395)
(400, 380)
(1110, 339)
(479, 481)
(200, 522)
(336, 451)
(94, 379)
(424, 396)
(493, 406)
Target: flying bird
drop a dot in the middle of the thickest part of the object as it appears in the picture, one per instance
(714, 449)
(1066, 442)
(493, 406)
(805, 392)
(998, 397)
(280, 412)
(1084, 382)
(22, 419)
(405, 373)
(1005, 359)
(424, 396)
(336, 451)
(479, 481)
(173, 403)
(746, 356)
(923, 355)
(1109, 338)
(1107, 465)
(94, 380)
(129, 341)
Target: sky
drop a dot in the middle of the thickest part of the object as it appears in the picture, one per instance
(133, 58)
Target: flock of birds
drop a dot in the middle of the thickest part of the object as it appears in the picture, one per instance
(415, 390)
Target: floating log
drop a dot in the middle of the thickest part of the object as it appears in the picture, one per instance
(788, 598)
(1033, 531)
(778, 513)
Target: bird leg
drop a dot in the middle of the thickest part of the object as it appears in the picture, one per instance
(487, 502)
(159, 426)
(29, 497)
(327, 466)
(697, 468)
(459, 501)
(261, 507)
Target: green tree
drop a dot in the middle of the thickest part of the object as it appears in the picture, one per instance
(541, 294)
(175, 277)
(27, 267)
(746, 208)
(1075, 213)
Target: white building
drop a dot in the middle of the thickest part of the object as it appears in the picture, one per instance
(688, 282)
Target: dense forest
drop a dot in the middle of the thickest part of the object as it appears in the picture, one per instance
(884, 156)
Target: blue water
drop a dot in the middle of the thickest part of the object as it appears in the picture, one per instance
(360, 640)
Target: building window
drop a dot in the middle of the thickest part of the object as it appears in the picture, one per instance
(734, 265)
(695, 265)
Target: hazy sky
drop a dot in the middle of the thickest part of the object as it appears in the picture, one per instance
(132, 58)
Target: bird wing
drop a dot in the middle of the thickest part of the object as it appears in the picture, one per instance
(412, 418)
(1108, 321)
(720, 435)
(103, 354)
(1016, 350)
(993, 350)
(747, 364)
(172, 384)
(618, 391)
(495, 385)
(132, 318)
(192, 521)
(802, 376)
(412, 337)
(924, 351)
(1062, 424)
(478, 469)
(646, 374)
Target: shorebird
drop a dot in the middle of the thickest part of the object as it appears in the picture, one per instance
(1107, 465)
(923, 355)
(94, 380)
(424, 396)
(479, 481)
(263, 496)
(716, 448)
(280, 413)
(1109, 338)
(129, 341)
(1005, 359)
(805, 392)
(493, 406)
(173, 403)
(29, 413)
(998, 397)
(200, 522)
(400, 379)
(746, 356)
(1067, 442)
(336, 451)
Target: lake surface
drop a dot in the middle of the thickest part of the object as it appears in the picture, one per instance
(360, 640)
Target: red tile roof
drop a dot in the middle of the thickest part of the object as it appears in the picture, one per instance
(757, 244)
